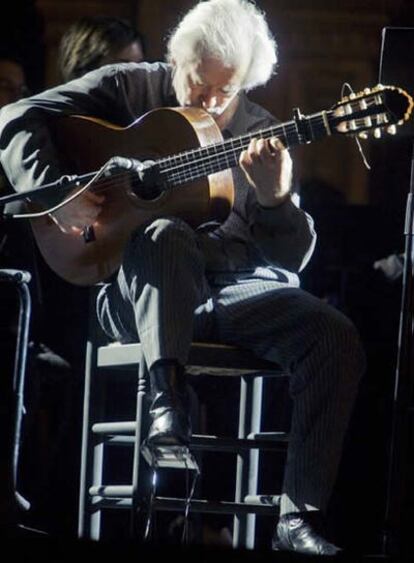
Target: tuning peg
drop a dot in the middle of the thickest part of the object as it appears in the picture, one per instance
(363, 135)
(339, 111)
(377, 133)
(392, 129)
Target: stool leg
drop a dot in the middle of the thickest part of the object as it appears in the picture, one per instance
(250, 413)
(89, 521)
(137, 480)
(20, 372)
(255, 428)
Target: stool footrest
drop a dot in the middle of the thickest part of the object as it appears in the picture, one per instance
(272, 436)
(121, 433)
(217, 507)
(104, 500)
(263, 500)
(105, 491)
(99, 503)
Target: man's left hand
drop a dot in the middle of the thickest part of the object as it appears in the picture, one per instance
(268, 169)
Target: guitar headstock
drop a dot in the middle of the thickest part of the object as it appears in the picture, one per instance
(377, 109)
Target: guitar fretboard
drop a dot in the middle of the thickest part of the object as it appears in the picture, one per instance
(193, 164)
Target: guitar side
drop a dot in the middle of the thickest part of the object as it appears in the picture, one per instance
(86, 144)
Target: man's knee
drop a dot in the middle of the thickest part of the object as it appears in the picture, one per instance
(340, 338)
(169, 234)
(168, 228)
(334, 352)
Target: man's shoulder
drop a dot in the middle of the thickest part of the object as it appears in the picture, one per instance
(152, 78)
(250, 116)
(257, 113)
(155, 69)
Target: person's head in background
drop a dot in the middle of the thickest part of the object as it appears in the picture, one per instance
(13, 84)
(94, 41)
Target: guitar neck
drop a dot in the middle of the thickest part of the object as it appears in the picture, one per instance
(193, 164)
(374, 108)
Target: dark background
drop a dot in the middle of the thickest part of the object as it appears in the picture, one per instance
(359, 216)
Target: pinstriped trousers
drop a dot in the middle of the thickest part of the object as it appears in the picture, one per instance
(163, 296)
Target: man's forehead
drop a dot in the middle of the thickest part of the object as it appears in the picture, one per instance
(213, 71)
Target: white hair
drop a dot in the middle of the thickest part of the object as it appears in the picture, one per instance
(233, 31)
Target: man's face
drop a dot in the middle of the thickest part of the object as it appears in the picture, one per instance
(12, 82)
(210, 86)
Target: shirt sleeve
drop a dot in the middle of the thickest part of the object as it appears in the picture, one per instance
(285, 235)
(115, 93)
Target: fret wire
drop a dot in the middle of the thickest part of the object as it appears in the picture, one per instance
(311, 131)
(314, 125)
(193, 174)
(198, 171)
(224, 153)
(228, 155)
(194, 171)
(203, 152)
(218, 154)
(200, 168)
(223, 156)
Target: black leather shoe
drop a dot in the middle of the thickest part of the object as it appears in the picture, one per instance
(302, 533)
(169, 410)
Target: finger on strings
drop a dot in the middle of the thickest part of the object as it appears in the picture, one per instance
(262, 148)
(252, 148)
(275, 144)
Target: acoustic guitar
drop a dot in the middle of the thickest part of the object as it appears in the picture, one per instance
(192, 163)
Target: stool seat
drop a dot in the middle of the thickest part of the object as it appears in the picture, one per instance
(205, 358)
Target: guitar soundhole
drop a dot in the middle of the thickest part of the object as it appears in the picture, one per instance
(145, 192)
(148, 193)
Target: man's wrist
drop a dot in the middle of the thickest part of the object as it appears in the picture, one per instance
(275, 202)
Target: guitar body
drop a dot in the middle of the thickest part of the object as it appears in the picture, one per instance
(85, 144)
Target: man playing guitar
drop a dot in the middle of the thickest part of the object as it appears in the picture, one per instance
(234, 281)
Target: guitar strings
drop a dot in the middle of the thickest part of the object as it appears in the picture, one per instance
(208, 159)
(192, 164)
(205, 160)
(202, 160)
(285, 129)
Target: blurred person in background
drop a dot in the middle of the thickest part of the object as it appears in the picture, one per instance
(94, 41)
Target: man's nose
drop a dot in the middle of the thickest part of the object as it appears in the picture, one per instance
(209, 100)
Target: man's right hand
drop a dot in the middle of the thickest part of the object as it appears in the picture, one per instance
(82, 212)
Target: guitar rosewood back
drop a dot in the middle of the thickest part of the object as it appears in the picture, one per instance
(85, 144)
